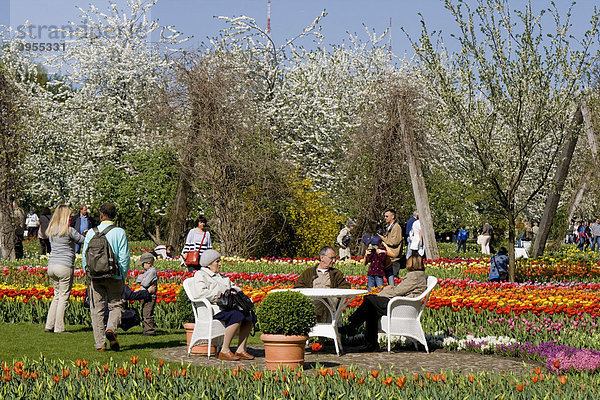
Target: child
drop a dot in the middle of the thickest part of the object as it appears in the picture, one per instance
(148, 279)
(375, 257)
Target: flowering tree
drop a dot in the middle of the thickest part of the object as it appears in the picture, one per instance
(505, 98)
(112, 73)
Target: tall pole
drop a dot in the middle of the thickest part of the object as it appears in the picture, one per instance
(268, 17)
(390, 43)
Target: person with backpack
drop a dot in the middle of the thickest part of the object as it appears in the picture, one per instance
(462, 237)
(105, 259)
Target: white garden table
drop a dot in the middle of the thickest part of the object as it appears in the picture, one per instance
(335, 301)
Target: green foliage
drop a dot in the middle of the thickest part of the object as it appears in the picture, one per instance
(286, 313)
(313, 220)
(142, 189)
(183, 309)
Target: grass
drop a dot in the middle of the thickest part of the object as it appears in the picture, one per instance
(29, 340)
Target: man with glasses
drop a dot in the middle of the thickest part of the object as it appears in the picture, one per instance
(323, 276)
(392, 240)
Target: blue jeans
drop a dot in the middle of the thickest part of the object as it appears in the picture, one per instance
(596, 243)
(374, 281)
(389, 276)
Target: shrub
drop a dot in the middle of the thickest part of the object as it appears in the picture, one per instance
(183, 308)
(286, 313)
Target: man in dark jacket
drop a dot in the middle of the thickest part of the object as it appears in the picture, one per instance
(323, 276)
(82, 222)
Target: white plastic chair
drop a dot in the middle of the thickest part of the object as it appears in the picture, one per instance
(206, 328)
(404, 316)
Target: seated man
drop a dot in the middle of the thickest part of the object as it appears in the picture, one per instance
(323, 276)
(374, 307)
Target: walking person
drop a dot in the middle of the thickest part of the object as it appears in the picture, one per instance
(32, 222)
(45, 216)
(343, 239)
(82, 222)
(106, 275)
(595, 228)
(486, 234)
(196, 242)
(62, 240)
(462, 237)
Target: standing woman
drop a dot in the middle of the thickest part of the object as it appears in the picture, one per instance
(45, 217)
(60, 265)
(198, 239)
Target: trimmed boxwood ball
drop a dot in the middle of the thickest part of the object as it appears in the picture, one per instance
(183, 308)
(286, 313)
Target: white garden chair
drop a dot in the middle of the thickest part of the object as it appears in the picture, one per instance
(206, 328)
(404, 316)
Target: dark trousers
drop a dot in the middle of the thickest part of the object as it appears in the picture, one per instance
(19, 247)
(45, 246)
(370, 312)
(148, 314)
(461, 243)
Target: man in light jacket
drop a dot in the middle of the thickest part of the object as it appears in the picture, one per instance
(108, 288)
(392, 241)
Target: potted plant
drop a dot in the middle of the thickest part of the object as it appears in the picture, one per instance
(185, 315)
(285, 318)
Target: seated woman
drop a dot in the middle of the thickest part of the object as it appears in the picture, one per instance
(374, 307)
(208, 283)
(499, 266)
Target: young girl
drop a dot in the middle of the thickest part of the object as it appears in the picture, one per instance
(375, 257)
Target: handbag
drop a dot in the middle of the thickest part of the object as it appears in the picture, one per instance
(234, 300)
(192, 258)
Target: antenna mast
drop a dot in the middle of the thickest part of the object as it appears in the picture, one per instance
(268, 17)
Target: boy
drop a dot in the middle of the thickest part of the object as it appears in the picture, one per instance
(148, 279)
(463, 235)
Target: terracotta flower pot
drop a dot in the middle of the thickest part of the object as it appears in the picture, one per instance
(198, 349)
(283, 350)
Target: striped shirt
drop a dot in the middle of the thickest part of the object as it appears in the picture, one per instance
(193, 242)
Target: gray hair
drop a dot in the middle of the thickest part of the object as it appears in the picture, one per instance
(324, 249)
(416, 214)
(350, 222)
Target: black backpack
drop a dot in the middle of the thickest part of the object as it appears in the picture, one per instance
(99, 256)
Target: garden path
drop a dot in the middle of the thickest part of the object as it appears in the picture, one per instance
(399, 361)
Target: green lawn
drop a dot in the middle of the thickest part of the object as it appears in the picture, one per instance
(30, 340)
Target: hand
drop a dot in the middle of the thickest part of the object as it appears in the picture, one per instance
(152, 289)
(387, 287)
(85, 232)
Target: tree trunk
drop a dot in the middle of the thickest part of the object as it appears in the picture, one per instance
(419, 188)
(593, 169)
(562, 170)
(512, 228)
(7, 229)
(176, 227)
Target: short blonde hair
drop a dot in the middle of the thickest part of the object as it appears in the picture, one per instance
(59, 224)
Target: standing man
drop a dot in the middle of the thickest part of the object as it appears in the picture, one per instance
(463, 235)
(595, 227)
(82, 222)
(392, 241)
(106, 275)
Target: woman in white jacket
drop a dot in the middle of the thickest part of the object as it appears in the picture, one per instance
(208, 283)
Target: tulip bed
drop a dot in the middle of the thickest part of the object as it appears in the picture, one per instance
(552, 316)
(50, 379)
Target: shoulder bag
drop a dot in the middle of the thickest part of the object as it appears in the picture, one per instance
(192, 258)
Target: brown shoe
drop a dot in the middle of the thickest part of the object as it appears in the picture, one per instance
(112, 339)
(244, 355)
(100, 350)
(228, 356)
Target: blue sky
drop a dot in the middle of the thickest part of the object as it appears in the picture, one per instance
(195, 18)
